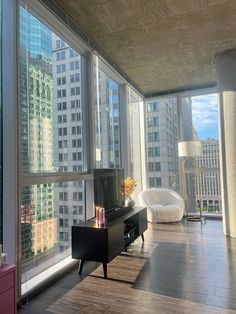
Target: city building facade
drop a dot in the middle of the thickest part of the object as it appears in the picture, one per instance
(162, 143)
(68, 139)
(209, 195)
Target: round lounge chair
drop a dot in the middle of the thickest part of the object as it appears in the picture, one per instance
(163, 205)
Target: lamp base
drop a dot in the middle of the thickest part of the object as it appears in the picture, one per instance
(196, 218)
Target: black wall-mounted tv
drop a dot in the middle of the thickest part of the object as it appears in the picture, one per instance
(108, 188)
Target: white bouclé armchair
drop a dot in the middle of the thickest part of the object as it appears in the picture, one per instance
(163, 205)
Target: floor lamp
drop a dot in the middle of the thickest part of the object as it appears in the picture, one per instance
(187, 150)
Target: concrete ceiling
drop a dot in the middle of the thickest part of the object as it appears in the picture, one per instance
(159, 44)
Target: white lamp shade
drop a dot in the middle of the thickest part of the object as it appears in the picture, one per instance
(98, 154)
(189, 148)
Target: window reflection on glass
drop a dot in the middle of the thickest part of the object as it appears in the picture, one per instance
(50, 98)
(107, 120)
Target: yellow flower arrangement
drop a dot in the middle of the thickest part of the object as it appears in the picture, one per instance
(129, 186)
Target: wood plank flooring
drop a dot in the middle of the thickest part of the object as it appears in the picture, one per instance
(180, 268)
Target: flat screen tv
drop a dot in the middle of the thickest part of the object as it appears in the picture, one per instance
(108, 188)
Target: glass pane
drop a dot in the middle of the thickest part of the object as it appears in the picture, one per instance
(50, 100)
(47, 213)
(204, 190)
(107, 121)
(134, 104)
(162, 143)
(51, 141)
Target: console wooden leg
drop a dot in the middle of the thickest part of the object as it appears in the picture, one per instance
(81, 266)
(142, 237)
(105, 270)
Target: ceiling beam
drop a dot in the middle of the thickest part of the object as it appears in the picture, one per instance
(181, 90)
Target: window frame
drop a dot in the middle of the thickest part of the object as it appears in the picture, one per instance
(29, 179)
(63, 31)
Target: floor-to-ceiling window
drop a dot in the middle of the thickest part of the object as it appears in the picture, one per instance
(55, 155)
(52, 190)
(107, 119)
(204, 191)
(178, 118)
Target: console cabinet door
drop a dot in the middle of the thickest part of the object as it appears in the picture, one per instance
(115, 241)
(89, 243)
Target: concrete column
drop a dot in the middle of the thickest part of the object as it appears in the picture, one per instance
(226, 80)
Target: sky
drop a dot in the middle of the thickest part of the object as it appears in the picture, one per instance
(205, 116)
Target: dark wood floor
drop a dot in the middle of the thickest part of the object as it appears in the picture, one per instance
(180, 268)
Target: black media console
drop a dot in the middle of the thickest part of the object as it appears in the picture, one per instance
(102, 244)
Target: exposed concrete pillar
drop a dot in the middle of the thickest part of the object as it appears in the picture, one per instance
(226, 80)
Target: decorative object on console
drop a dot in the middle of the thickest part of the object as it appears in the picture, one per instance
(100, 216)
(130, 202)
(128, 188)
(97, 214)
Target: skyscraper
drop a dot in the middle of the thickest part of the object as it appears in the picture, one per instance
(68, 137)
(162, 139)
